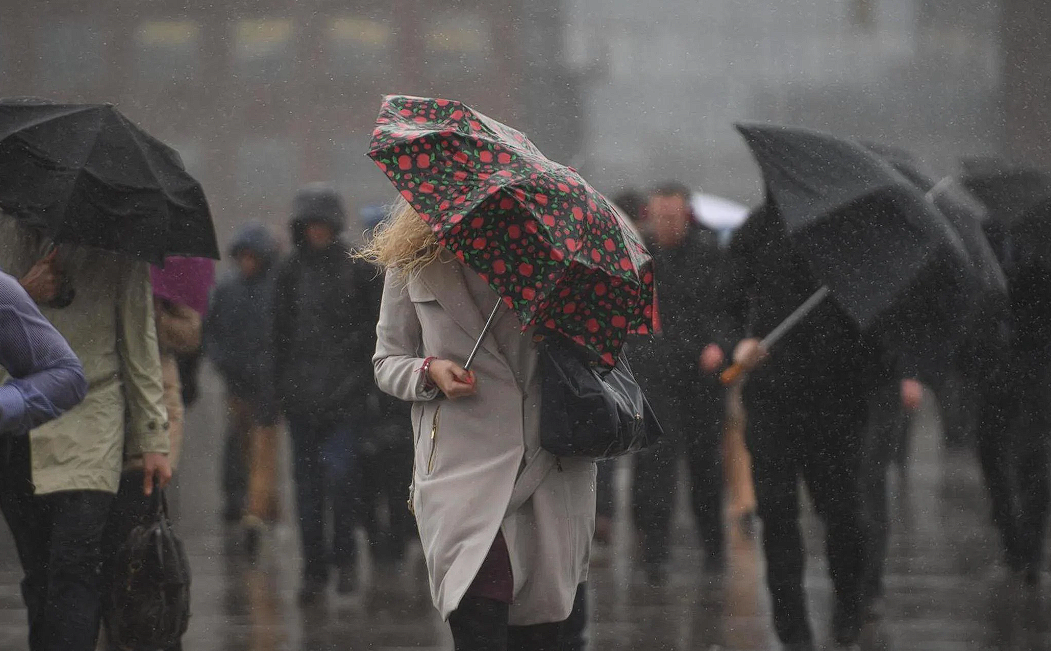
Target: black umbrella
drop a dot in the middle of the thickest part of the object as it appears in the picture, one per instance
(865, 231)
(87, 175)
(963, 210)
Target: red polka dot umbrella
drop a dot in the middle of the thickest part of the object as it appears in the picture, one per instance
(551, 245)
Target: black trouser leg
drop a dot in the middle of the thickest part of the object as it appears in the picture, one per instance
(479, 624)
(881, 436)
(605, 501)
(1033, 473)
(340, 462)
(235, 458)
(31, 532)
(831, 471)
(704, 455)
(994, 437)
(310, 500)
(653, 493)
(775, 473)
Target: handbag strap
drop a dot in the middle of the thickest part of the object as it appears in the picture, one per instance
(534, 474)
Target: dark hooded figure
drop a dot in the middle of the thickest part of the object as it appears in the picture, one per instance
(325, 311)
(239, 341)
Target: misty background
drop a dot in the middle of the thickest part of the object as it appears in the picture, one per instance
(260, 97)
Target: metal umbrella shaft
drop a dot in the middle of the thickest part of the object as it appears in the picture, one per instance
(732, 374)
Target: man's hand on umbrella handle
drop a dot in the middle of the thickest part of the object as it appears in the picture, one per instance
(712, 359)
(749, 354)
(452, 379)
(157, 471)
(43, 280)
(911, 394)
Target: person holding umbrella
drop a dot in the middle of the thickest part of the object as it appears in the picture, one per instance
(488, 226)
(849, 248)
(89, 200)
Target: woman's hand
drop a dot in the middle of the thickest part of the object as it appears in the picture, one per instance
(452, 379)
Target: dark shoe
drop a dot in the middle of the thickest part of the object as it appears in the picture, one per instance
(805, 645)
(348, 580)
(846, 625)
(313, 592)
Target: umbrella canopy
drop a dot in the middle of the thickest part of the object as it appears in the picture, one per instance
(547, 242)
(718, 213)
(1009, 192)
(865, 231)
(187, 281)
(962, 209)
(87, 175)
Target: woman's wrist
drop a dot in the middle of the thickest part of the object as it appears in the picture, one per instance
(425, 374)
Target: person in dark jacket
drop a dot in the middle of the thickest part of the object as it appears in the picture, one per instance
(807, 405)
(325, 312)
(1014, 428)
(238, 340)
(677, 368)
(386, 457)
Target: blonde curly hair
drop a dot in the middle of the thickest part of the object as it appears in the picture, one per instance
(403, 242)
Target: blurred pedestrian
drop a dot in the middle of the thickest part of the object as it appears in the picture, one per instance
(238, 339)
(386, 457)
(678, 369)
(807, 407)
(1014, 427)
(58, 486)
(483, 552)
(324, 320)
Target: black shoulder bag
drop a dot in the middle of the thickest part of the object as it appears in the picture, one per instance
(587, 409)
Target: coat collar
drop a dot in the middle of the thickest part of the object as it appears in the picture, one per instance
(446, 281)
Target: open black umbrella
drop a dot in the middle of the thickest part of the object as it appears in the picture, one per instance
(87, 175)
(864, 229)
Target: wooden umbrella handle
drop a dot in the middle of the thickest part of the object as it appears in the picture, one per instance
(731, 375)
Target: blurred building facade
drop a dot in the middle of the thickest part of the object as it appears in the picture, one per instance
(927, 75)
(262, 96)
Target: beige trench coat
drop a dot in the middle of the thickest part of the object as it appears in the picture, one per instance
(465, 477)
(110, 326)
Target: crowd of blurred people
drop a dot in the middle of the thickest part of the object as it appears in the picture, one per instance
(293, 340)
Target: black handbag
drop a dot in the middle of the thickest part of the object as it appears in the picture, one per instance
(587, 409)
(150, 594)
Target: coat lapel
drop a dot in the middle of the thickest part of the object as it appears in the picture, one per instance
(447, 283)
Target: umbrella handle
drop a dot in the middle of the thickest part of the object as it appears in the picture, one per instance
(731, 375)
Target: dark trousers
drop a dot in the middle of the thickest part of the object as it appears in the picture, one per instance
(59, 541)
(693, 427)
(240, 420)
(606, 497)
(1014, 449)
(325, 467)
(481, 624)
(822, 441)
(385, 477)
(884, 438)
(130, 507)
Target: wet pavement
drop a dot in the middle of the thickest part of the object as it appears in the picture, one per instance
(946, 590)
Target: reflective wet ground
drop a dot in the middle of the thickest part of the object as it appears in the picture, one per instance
(945, 589)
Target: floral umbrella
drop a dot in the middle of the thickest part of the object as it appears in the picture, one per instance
(547, 242)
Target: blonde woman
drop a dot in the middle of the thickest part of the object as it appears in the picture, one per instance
(506, 528)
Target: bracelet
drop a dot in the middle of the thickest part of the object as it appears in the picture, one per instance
(428, 384)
